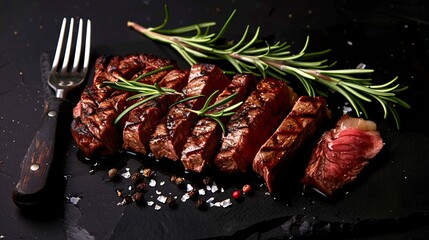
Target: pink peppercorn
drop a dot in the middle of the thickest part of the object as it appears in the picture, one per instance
(236, 194)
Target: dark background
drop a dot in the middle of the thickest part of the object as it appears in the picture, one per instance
(389, 200)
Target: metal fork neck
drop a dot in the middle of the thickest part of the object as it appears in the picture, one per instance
(60, 93)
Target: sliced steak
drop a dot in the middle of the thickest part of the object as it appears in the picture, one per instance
(201, 147)
(142, 120)
(92, 128)
(342, 153)
(253, 124)
(171, 133)
(95, 132)
(275, 155)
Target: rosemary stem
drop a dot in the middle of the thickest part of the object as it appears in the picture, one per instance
(248, 55)
(320, 75)
(151, 34)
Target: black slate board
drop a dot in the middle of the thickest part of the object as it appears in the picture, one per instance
(390, 199)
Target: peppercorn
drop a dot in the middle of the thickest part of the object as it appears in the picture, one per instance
(136, 178)
(119, 193)
(193, 194)
(200, 203)
(247, 189)
(207, 181)
(171, 202)
(236, 194)
(180, 182)
(173, 178)
(138, 198)
(147, 172)
(140, 187)
(113, 173)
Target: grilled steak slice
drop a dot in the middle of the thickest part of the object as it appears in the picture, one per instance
(253, 124)
(95, 132)
(276, 153)
(342, 153)
(92, 128)
(142, 120)
(171, 133)
(204, 141)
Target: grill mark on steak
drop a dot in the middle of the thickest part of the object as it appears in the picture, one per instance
(276, 154)
(142, 120)
(341, 154)
(252, 124)
(99, 106)
(204, 142)
(171, 133)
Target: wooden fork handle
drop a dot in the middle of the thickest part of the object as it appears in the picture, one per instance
(32, 186)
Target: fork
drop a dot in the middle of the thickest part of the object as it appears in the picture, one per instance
(32, 187)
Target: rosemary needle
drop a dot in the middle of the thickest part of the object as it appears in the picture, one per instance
(216, 111)
(248, 55)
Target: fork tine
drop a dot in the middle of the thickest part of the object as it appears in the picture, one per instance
(78, 47)
(68, 47)
(87, 46)
(59, 45)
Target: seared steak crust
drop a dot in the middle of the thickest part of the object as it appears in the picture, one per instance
(142, 120)
(201, 147)
(276, 153)
(92, 128)
(252, 124)
(171, 133)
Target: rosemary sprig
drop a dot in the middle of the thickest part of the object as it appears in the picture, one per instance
(252, 55)
(147, 92)
(215, 111)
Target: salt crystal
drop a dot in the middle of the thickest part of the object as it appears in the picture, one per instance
(208, 188)
(226, 203)
(157, 207)
(74, 200)
(214, 188)
(162, 199)
(349, 43)
(126, 174)
(162, 183)
(123, 202)
(210, 200)
(130, 188)
(361, 66)
(222, 190)
(201, 192)
(185, 197)
(347, 109)
(158, 192)
(152, 183)
(189, 187)
(150, 203)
